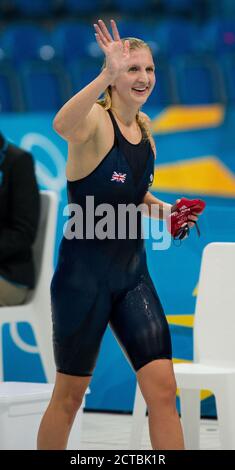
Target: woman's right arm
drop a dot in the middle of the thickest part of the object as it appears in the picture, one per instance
(78, 118)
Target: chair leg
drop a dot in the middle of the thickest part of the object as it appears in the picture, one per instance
(138, 419)
(190, 417)
(225, 405)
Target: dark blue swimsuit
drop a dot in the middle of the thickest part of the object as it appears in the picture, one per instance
(100, 282)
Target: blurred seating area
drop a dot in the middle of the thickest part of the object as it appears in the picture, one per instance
(48, 49)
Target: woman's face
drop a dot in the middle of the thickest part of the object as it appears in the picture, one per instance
(135, 85)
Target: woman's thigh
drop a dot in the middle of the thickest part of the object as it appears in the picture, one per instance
(140, 326)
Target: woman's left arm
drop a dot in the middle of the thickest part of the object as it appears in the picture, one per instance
(162, 209)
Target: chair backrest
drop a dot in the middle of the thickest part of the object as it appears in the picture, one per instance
(43, 249)
(214, 326)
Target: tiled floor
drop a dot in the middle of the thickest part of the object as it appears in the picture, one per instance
(107, 431)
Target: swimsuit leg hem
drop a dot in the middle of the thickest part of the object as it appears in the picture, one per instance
(77, 374)
(165, 356)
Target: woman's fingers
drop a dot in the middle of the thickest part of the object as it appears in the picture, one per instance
(191, 220)
(193, 217)
(105, 31)
(102, 29)
(101, 35)
(101, 44)
(115, 31)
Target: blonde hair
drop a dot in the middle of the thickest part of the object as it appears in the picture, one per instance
(106, 101)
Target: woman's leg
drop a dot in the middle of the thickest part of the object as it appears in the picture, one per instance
(140, 326)
(58, 419)
(80, 313)
(157, 383)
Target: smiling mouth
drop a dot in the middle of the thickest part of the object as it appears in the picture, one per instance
(140, 90)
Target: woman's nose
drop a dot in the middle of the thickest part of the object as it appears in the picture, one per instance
(143, 79)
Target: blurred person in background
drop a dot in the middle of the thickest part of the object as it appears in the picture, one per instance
(19, 217)
(111, 156)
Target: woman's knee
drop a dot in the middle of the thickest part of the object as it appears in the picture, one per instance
(166, 394)
(71, 404)
(157, 383)
(69, 392)
(162, 394)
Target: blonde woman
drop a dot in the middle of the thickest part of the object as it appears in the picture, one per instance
(106, 281)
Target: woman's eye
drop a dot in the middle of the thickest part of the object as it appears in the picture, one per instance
(149, 69)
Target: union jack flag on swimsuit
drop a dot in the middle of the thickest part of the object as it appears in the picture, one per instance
(120, 177)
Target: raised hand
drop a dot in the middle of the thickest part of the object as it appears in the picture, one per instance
(117, 54)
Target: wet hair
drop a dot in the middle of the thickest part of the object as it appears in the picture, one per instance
(106, 101)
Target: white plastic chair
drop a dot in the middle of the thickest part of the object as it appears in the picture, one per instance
(22, 405)
(214, 353)
(214, 348)
(37, 309)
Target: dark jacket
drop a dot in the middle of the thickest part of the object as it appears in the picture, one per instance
(19, 214)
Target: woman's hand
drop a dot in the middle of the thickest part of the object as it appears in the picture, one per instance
(184, 215)
(117, 54)
(193, 218)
